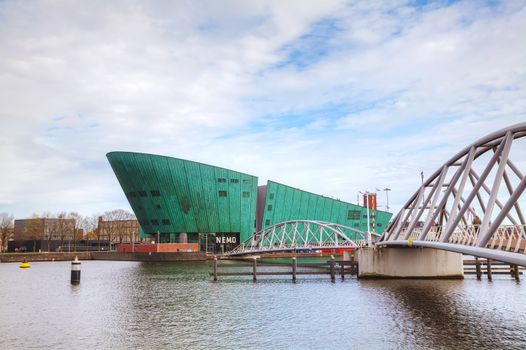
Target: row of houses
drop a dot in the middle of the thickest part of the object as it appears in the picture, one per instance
(62, 234)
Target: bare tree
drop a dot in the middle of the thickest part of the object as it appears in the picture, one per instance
(77, 227)
(89, 225)
(35, 229)
(6, 227)
(64, 228)
(50, 231)
(115, 229)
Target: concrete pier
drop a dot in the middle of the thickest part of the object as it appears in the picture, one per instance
(409, 263)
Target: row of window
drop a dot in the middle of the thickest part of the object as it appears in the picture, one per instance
(267, 223)
(154, 193)
(234, 181)
(246, 194)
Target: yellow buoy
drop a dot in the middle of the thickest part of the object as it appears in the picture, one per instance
(24, 264)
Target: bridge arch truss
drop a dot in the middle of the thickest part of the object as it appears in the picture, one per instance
(472, 203)
(296, 235)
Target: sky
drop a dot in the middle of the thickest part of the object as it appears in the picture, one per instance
(333, 97)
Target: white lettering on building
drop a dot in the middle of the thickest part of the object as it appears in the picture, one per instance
(224, 240)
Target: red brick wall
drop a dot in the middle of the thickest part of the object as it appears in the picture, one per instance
(163, 247)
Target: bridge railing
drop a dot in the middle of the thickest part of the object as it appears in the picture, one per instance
(511, 238)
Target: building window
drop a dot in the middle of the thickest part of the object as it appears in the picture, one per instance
(245, 181)
(155, 193)
(133, 194)
(271, 196)
(144, 222)
(356, 224)
(155, 222)
(166, 222)
(353, 215)
(365, 216)
(267, 222)
(246, 194)
(234, 181)
(222, 193)
(221, 180)
(158, 206)
(379, 224)
(269, 207)
(142, 193)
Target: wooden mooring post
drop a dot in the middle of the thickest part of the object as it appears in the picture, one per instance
(516, 273)
(331, 268)
(215, 268)
(294, 268)
(254, 268)
(482, 266)
(291, 269)
(477, 267)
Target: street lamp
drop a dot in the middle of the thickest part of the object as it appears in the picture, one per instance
(386, 190)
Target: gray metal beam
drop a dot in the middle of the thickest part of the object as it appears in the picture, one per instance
(484, 232)
(483, 239)
(474, 191)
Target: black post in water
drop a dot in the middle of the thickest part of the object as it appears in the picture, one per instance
(488, 269)
(75, 271)
(516, 273)
(331, 265)
(342, 270)
(477, 267)
(294, 268)
(215, 268)
(254, 264)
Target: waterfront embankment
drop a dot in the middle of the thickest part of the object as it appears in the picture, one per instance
(115, 256)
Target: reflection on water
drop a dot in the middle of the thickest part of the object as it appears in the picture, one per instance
(147, 305)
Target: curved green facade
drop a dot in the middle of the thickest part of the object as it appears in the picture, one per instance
(171, 196)
(284, 203)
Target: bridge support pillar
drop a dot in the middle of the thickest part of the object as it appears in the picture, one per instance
(409, 263)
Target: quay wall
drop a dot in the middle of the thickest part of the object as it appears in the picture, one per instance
(173, 256)
(47, 256)
(116, 256)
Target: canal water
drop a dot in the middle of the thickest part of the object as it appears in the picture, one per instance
(131, 305)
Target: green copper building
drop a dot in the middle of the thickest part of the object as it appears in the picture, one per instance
(178, 199)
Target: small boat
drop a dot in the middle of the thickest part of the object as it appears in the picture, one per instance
(24, 264)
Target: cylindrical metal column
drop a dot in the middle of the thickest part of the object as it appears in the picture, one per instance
(75, 271)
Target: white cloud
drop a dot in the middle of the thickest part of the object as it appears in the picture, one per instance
(396, 90)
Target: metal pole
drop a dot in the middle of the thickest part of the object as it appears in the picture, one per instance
(488, 269)
(387, 196)
(368, 224)
(158, 237)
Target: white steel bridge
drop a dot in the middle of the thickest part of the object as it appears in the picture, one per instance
(302, 235)
(471, 204)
